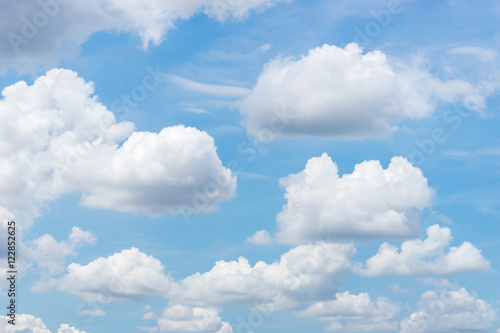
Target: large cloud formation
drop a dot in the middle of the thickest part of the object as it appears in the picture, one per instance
(303, 275)
(429, 256)
(371, 202)
(56, 138)
(451, 311)
(341, 92)
(37, 33)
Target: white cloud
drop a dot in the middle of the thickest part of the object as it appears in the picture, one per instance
(396, 288)
(65, 328)
(261, 237)
(156, 173)
(369, 203)
(304, 274)
(180, 318)
(50, 254)
(209, 89)
(149, 316)
(24, 323)
(93, 313)
(56, 138)
(429, 256)
(126, 276)
(341, 92)
(42, 127)
(480, 52)
(449, 311)
(30, 324)
(39, 32)
(355, 313)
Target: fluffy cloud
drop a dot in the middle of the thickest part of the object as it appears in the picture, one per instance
(371, 202)
(42, 127)
(38, 32)
(261, 237)
(155, 173)
(30, 324)
(429, 256)
(450, 311)
(50, 254)
(355, 313)
(180, 318)
(126, 276)
(56, 138)
(304, 274)
(65, 328)
(341, 92)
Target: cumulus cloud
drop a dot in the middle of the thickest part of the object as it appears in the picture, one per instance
(429, 256)
(56, 138)
(341, 92)
(355, 313)
(262, 237)
(304, 274)
(49, 254)
(450, 311)
(126, 276)
(42, 129)
(155, 173)
(38, 32)
(30, 324)
(180, 318)
(371, 202)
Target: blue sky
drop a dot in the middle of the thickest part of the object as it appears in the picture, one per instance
(251, 165)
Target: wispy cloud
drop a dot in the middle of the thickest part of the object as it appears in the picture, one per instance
(208, 89)
(480, 52)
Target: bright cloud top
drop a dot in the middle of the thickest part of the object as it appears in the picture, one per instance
(155, 173)
(429, 256)
(450, 311)
(341, 92)
(56, 138)
(355, 313)
(30, 324)
(304, 274)
(126, 276)
(371, 202)
(39, 32)
(180, 318)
